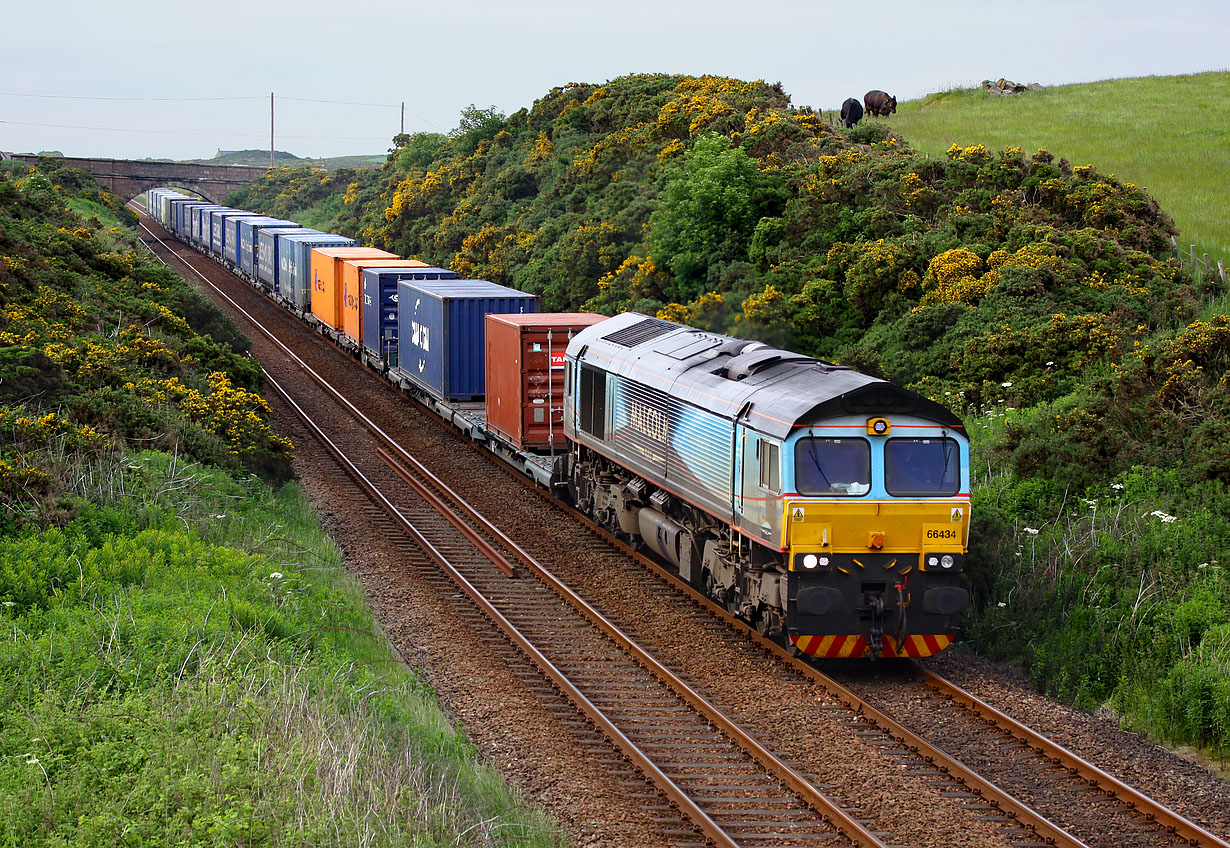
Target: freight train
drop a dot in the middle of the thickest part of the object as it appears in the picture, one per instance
(826, 508)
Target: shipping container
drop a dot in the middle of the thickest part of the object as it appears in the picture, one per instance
(267, 247)
(166, 211)
(199, 214)
(161, 204)
(380, 306)
(326, 279)
(441, 334)
(525, 375)
(153, 202)
(248, 246)
(217, 241)
(295, 264)
(352, 290)
(182, 210)
(231, 242)
(209, 222)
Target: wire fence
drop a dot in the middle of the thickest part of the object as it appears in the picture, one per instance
(1199, 266)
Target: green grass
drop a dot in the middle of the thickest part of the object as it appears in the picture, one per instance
(186, 663)
(1169, 135)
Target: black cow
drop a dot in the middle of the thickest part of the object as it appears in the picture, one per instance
(879, 104)
(851, 112)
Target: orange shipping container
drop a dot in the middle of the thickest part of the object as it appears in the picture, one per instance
(525, 375)
(326, 273)
(352, 290)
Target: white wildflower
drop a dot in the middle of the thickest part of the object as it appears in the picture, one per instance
(1049, 363)
(1002, 604)
(1031, 531)
(277, 575)
(1118, 487)
(218, 515)
(1007, 385)
(1166, 519)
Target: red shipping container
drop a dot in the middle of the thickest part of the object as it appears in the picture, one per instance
(525, 375)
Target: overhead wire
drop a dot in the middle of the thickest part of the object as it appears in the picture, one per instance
(203, 99)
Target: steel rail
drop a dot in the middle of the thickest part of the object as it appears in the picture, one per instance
(1047, 830)
(1164, 816)
(660, 779)
(799, 784)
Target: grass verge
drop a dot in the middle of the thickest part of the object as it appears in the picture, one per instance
(186, 663)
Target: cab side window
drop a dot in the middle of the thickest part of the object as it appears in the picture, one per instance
(770, 466)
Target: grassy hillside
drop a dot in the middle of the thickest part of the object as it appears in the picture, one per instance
(1169, 135)
(282, 159)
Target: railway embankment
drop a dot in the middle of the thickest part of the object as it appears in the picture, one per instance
(184, 659)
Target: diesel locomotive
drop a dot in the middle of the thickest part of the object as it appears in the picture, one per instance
(825, 507)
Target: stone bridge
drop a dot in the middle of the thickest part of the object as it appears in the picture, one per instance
(128, 178)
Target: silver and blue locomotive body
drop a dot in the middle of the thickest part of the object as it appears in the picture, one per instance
(823, 505)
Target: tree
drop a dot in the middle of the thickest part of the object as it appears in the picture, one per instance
(707, 214)
(477, 125)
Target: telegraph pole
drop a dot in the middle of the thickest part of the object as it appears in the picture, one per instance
(271, 129)
(403, 117)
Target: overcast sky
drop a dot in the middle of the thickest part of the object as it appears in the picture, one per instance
(134, 79)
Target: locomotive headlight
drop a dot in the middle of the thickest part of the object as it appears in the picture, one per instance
(933, 561)
(947, 561)
(811, 561)
(878, 427)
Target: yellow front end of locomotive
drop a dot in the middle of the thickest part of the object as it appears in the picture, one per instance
(909, 528)
(889, 542)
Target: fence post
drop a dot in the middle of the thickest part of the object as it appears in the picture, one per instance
(1221, 272)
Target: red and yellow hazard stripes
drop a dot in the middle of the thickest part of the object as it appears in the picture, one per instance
(835, 647)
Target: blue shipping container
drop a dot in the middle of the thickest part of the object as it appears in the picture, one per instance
(200, 222)
(183, 218)
(246, 258)
(231, 239)
(295, 266)
(267, 247)
(213, 229)
(380, 306)
(217, 242)
(153, 202)
(441, 335)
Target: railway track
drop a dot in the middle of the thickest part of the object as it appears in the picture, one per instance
(731, 787)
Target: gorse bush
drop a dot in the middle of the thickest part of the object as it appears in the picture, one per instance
(100, 347)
